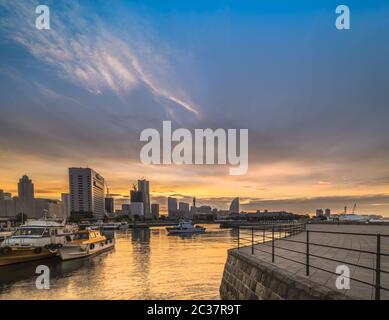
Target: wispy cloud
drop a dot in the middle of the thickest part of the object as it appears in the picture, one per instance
(87, 53)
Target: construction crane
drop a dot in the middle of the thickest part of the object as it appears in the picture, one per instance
(355, 205)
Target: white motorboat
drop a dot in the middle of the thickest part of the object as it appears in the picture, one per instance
(185, 227)
(86, 243)
(36, 239)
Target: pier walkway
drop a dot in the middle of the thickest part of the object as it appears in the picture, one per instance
(290, 254)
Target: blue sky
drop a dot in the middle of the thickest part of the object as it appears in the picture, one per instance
(315, 99)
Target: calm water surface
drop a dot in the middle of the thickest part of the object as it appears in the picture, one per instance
(145, 264)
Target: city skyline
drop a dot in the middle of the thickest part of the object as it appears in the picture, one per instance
(223, 203)
(313, 98)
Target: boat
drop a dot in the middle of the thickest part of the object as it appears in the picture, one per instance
(110, 226)
(35, 240)
(86, 243)
(185, 227)
(4, 235)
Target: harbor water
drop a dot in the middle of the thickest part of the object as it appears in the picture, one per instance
(145, 264)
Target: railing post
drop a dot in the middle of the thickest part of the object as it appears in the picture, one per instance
(238, 236)
(272, 244)
(378, 269)
(307, 256)
(252, 240)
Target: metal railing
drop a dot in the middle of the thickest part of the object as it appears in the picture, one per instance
(251, 236)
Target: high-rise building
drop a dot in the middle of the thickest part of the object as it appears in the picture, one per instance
(65, 202)
(136, 209)
(155, 210)
(183, 207)
(144, 187)
(171, 206)
(136, 196)
(234, 207)
(87, 192)
(319, 212)
(327, 212)
(109, 205)
(25, 188)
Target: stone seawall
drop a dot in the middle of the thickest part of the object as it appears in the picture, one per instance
(248, 278)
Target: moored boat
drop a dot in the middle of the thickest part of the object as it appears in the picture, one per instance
(185, 227)
(38, 239)
(86, 243)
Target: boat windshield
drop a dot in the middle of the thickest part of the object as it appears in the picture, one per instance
(31, 232)
(81, 236)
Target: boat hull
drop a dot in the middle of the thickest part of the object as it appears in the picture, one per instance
(71, 252)
(25, 255)
(183, 231)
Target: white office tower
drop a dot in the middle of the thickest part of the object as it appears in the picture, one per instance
(87, 193)
(143, 186)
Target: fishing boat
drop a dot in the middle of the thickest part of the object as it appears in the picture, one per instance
(37, 239)
(86, 243)
(185, 227)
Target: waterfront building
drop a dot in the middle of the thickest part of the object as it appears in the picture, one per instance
(144, 187)
(109, 204)
(155, 211)
(171, 206)
(26, 204)
(234, 207)
(25, 188)
(136, 196)
(319, 212)
(183, 207)
(327, 212)
(65, 202)
(87, 192)
(5, 195)
(137, 210)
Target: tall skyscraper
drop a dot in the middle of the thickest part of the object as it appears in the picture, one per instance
(87, 193)
(25, 188)
(319, 212)
(171, 206)
(65, 202)
(184, 208)
(143, 186)
(109, 204)
(155, 210)
(136, 196)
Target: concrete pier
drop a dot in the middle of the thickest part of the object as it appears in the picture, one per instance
(254, 276)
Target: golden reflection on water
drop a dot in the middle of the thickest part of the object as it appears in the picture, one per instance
(146, 264)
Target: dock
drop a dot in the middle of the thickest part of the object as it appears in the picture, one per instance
(304, 265)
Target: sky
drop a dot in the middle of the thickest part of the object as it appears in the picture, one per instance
(314, 98)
